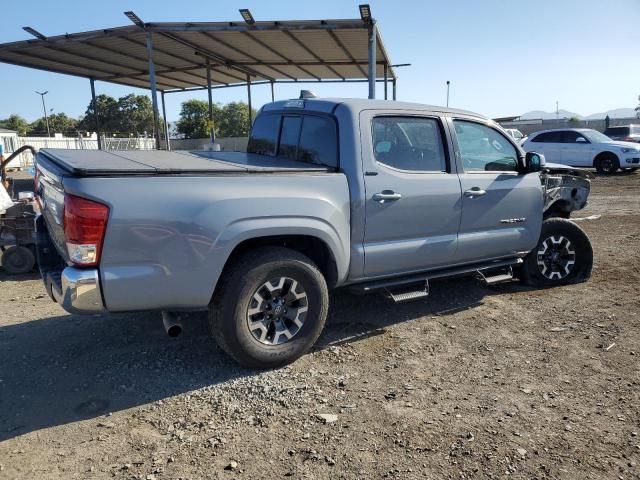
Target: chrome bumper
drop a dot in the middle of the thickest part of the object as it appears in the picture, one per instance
(78, 291)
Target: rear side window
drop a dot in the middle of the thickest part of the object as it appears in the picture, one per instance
(409, 143)
(264, 135)
(318, 141)
(548, 137)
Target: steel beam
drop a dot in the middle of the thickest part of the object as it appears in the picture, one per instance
(164, 121)
(96, 112)
(276, 52)
(346, 51)
(249, 98)
(372, 59)
(212, 133)
(266, 82)
(152, 84)
(385, 81)
(311, 52)
(245, 53)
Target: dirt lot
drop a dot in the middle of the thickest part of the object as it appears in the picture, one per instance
(474, 382)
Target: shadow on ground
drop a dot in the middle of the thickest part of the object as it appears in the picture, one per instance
(67, 368)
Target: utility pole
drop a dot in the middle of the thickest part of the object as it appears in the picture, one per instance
(44, 109)
(448, 82)
(557, 111)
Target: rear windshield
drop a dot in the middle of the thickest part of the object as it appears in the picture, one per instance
(305, 138)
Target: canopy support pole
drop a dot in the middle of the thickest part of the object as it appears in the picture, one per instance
(212, 133)
(273, 96)
(394, 88)
(166, 124)
(249, 99)
(372, 59)
(154, 93)
(96, 113)
(386, 74)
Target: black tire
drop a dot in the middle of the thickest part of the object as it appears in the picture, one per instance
(607, 163)
(539, 268)
(17, 260)
(229, 310)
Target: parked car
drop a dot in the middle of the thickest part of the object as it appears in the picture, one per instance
(515, 134)
(584, 147)
(373, 195)
(626, 133)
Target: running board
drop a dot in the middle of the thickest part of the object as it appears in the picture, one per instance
(466, 270)
(505, 276)
(406, 293)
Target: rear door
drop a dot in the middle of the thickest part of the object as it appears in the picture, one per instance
(548, 144)
(501, 209)
(413, 197)
(577, 151)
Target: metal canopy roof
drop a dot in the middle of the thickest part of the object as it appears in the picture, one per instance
(306, 51)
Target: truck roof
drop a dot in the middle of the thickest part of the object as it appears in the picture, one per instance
(327, 105)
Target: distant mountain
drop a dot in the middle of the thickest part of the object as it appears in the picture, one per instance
(616, 113)
(536, 114)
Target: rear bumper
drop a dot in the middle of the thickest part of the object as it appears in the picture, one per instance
(76, 290)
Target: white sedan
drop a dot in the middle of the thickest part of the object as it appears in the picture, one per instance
(584, 147)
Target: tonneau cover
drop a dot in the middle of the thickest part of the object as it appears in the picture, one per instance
(149, 162)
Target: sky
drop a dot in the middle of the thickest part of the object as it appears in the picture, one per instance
(502, 57)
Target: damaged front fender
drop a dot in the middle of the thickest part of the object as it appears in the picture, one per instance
(566, 190)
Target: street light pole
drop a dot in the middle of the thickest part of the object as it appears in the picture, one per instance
(44, 109)
(448, 82)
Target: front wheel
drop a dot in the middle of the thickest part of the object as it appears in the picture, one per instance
(607, 163)
(563, 256)
(269, 308)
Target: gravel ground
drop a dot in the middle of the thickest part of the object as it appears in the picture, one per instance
(473, 382)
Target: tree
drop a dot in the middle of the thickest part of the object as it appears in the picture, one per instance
(194, 118)
(135, 114)
(15, 122)
(58, 123)
(234, 120)
(231, 120)
(108, 115)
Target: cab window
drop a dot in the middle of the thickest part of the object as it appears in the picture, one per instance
(484, 149)
(409, 143)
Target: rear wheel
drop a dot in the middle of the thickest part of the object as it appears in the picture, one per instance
(607, 163)
(563, 256)
(270, 307)
(18, 259)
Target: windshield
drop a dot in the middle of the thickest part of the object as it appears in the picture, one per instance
(594, 136)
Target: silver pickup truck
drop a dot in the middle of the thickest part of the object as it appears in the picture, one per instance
(374, 195)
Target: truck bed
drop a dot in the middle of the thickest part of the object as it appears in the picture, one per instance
(94, 163)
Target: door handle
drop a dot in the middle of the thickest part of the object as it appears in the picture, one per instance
(386, 195)
(475, 192)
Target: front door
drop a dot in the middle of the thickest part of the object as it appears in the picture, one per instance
(413, 198)
(501, 209)
(576, 149)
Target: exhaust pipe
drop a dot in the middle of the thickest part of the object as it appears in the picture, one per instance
(172, 324)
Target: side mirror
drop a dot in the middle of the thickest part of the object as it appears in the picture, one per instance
(533, 162)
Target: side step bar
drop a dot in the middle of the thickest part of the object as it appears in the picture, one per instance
(406, 293)
(417, 286)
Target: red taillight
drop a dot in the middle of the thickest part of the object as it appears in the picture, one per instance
(85, 223)
(629, 139)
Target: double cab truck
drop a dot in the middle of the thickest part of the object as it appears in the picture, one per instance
(370, 195)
